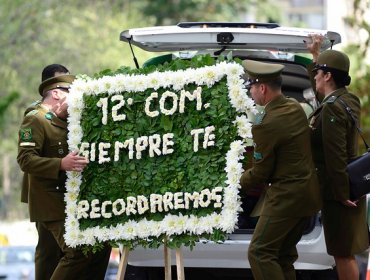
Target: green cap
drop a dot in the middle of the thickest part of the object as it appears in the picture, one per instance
(261, 72)
(61, 81)
(332, 59)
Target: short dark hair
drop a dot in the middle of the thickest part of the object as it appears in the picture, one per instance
(275, 84)
(50, 70)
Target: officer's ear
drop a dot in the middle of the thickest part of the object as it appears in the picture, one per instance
(263, 87)
(57, 94)
(327, 76)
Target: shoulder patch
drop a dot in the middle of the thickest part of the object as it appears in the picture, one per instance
(26, 134)
(31, 113)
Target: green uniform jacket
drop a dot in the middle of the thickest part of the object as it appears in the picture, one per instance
(334, 142)
(42, 144)
(283, 160)
(25, 183)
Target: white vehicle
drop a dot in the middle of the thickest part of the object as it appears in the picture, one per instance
(264, 42)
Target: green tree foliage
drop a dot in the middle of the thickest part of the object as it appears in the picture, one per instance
(169, 12)
(4, 104)
(360, 70)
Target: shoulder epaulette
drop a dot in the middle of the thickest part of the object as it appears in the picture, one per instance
(33, 112)
(331, 99)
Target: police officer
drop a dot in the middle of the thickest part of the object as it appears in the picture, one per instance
(48, 72)
(283, 162)
(48, 252)
(334, 142)
(43, 154)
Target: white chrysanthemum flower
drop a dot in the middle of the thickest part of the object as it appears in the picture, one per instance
(89, 236)
(70, 196)
(229, 219)
(234, 168)
(177, 80)
(73, 174)
(154, 81)
(73, 142)
(71, 238)
(95, 87)
(120, 85)
(104, 85)
(116, 232)
(169, 225)
(145, 228)
(71, 209)
(140, 83)
(130, 230)
(244, 126)
(73, 184)
(75, 101)
(237, 146)
(78, 86)
(181, 222)
(75, 130)
(103, 234)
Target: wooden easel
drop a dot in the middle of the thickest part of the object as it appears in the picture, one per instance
(167, 263)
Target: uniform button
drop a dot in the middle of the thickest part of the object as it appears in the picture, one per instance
(57, 187)
(60, 143)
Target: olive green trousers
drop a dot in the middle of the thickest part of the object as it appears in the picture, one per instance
(273, 251)
(72, 263)
(47, 254)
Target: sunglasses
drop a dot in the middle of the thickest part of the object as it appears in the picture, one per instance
(65, 89)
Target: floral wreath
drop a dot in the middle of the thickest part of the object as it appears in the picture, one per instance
(180, 227)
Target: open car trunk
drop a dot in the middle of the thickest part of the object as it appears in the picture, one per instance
(264, 42)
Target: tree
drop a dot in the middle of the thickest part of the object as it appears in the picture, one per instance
(360, 70)
(170, 12)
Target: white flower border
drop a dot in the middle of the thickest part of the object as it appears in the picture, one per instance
(171, 224)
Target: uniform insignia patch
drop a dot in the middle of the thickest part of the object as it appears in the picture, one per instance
(257, 156)
(48, 116)
(26, 134)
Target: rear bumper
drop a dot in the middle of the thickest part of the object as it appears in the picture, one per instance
(233, 253)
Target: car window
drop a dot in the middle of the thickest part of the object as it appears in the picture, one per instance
(10, 255)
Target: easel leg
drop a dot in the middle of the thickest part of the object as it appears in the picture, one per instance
(180, 265)
(123, 264)
(167, 262)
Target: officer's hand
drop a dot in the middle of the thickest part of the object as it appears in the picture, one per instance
(350, 203)
(73, 162)
(315, 45)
